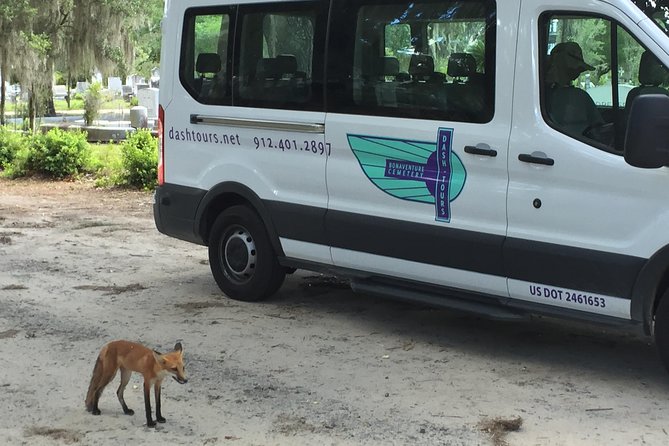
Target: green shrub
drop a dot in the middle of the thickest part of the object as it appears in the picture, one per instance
(60, 153)
(10, 143)
(20, 165)
(92, 102)
(140, 159)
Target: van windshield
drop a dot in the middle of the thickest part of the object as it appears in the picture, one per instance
(658, 10)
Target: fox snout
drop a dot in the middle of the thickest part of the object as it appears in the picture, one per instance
(179, 379)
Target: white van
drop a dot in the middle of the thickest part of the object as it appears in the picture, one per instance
(495, 157)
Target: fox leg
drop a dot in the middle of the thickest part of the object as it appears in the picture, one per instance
(147, 403)
(159, 416)
(125, 377)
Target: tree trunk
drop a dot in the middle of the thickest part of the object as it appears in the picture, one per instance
(68, 96)
(31, 108)
(2, 97)
(50, 107)
(3, 93)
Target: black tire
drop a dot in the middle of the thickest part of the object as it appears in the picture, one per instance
(241, 256)
(662, 329)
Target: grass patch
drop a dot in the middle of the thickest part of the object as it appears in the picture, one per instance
(498, 427)
(75, 104)
(106, 164)
(78, 104)
(64, 435)
(112, 289)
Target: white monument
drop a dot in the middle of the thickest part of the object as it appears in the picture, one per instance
(148, 97)
(114, 85)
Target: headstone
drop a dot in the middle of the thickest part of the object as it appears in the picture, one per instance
(114, 85)
(82, 87)
(59, 91)
(138, 117)
(148, 97)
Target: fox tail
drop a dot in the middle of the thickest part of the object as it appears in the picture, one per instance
(94, 386)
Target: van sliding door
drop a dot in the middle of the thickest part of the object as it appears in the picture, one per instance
(419, 106)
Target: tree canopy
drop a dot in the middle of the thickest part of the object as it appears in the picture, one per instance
(113, 36)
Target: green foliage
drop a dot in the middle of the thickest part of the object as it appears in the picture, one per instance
(140, 159)
(92, 103)
(106, 165)
(75, 104)
(60, 153)
(40, 43)
(19, 166)
(10, 144)
(134, 101)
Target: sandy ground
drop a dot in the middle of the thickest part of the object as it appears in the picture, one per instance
(317, 364)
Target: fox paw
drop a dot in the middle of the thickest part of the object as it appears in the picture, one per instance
(160, 419)
(150, 423)
(129, 412)
(96, 412)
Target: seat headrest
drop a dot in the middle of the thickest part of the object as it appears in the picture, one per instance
(388, 66)
(651, 70)
(268, 68)
(421, 65)
(286, 63)
(461, 65)
(208, 63)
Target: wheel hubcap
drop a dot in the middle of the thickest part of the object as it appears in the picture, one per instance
(239, 255)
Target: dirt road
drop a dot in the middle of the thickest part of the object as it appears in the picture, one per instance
(316, 365)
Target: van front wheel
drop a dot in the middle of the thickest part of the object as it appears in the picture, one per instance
(241, 256)
(662, 329)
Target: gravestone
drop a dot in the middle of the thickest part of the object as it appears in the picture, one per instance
(148, 97)
(114, 85)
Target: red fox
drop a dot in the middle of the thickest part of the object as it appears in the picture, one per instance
(132, 357)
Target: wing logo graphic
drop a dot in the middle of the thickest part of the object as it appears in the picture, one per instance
(425, 172)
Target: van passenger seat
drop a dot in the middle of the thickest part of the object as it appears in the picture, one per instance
(465, 93)
(206, 64)
(426, 89)
(652, 74)
(421, 68)
(388, 70)
(292, 82)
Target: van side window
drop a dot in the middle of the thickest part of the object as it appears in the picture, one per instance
(588, 89)
(428, 60)
(280, 55)
(204, 68)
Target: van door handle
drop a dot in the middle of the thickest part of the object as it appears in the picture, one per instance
(480, 151)
(531, 158)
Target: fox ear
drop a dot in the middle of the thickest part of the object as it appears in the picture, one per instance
(178, 347)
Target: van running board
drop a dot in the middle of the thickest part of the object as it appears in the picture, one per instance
(491, 310)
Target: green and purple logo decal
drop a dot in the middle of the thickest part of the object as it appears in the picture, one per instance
(426, 172)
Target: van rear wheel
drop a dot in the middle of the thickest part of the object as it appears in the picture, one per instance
(662, 329)
(241, 256)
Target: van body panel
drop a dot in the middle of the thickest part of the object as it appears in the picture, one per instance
(588, 199)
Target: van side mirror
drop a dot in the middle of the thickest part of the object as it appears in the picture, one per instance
(647, 136)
